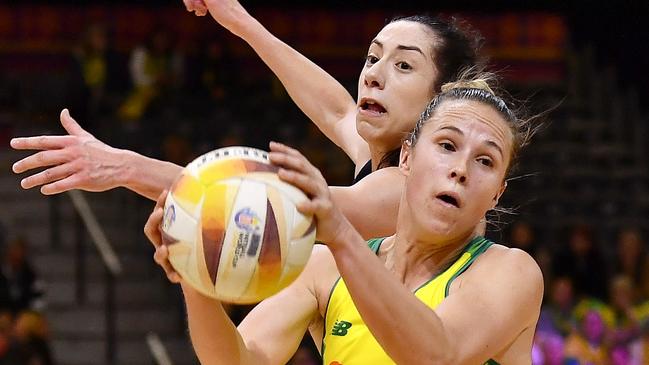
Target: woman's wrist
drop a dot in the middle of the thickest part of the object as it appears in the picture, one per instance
(345, 239)
(194, 296)
(129, 168)
(243, 24)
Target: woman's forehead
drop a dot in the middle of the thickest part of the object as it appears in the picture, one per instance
(464, 109)
(464, 114)
(407, 33)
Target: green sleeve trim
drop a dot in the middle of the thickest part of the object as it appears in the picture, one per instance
(324, 325)
(477, 246)
(375, 243)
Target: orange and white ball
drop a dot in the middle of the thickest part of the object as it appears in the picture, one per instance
(232, 228)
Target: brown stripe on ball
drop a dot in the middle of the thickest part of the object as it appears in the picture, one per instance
(254, 166)
(270, 256)
(276, 199)
(212, 246)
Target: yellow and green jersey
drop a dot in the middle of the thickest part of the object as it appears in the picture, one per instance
(348, 341)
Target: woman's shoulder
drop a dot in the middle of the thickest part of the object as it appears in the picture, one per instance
(506, 278)
(498, 254)
(503, 264)
(321, 260)
(386, 175)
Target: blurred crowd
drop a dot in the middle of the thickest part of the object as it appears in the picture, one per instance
(175, 104)
(596, 306)
(24, 334)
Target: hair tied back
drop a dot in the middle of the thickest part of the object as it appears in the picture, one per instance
(480, 84)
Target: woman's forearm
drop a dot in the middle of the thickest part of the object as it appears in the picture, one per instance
(215, 338)
(147, 176)
(323, 99)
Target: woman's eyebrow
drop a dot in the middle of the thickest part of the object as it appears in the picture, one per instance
(401, 47)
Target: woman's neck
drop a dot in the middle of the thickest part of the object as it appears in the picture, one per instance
(414, 260)
(377, 154)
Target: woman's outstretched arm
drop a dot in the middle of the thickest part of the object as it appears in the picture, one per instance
(323, 99)
(78, 160)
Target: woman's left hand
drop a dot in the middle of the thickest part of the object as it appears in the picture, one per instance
(152, 232)
(295, 169)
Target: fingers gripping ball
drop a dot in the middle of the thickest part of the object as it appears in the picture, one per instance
(232, 227)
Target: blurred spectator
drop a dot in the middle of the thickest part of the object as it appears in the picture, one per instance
(177, 149)
(639, 349)
(98, 77)
(556, 316)
(626, 326)
(583, 263)
(29, 342)
(545, 260)
(3, 236)
(218, 73)
(587, 345)
(556, 322)
(156, 69)
(547, 349)
(20, 287)
(92, 63)
(631, 261)
(522, 237)
(335, 166)
(6, 328)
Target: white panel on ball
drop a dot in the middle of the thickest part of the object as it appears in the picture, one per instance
(243, 240)
(177, 223)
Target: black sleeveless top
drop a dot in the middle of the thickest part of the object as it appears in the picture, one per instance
(366, 170)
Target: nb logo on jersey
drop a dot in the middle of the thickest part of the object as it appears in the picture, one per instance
(340, 328)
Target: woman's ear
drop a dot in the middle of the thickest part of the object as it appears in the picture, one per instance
(499, 194)
(404, 158)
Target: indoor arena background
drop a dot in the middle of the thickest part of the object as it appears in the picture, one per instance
(579, 201)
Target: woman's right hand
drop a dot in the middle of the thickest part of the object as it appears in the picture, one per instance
(152, 232)
(198, 7)
(225, 12)
(77, 160)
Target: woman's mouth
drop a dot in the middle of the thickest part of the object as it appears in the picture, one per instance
(371, 107)
(449, 199)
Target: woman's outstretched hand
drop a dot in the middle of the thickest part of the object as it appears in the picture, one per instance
(226, 12)
(77, 160)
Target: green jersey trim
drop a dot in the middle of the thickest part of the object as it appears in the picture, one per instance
(324, 326)
(477, 246)
(467, 248)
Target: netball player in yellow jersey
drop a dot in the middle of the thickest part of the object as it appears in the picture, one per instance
(433, 293)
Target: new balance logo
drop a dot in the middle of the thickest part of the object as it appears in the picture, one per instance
(340, 328)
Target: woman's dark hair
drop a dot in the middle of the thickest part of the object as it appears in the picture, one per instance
(455, 48)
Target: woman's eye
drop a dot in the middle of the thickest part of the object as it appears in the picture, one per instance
(404, 66)
(371, 59)
(486, 161)
(447, 146)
